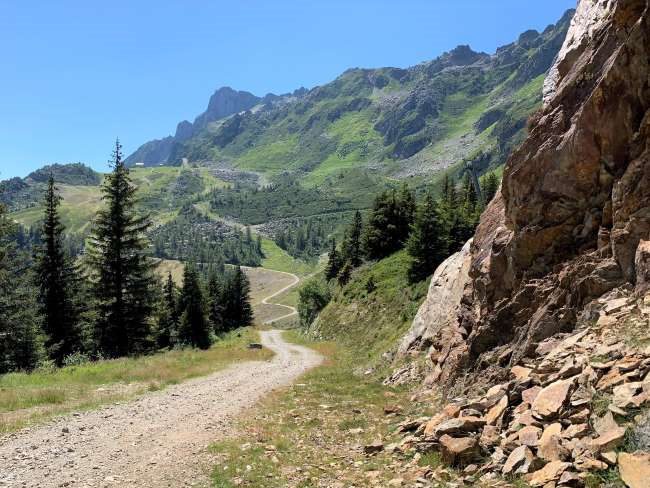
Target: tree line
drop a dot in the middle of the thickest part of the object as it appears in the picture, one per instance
(430, 231)
(109, 302)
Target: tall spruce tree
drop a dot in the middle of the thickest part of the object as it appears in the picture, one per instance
(216, 303)
(406, 208)
(168, 320)
(20, 339)
(55, 276)
(121, 269)
(352, 251)
(333, 262)
(427, 245)
(194, 328)
(384, 232)
(237, 308)
(490, 187)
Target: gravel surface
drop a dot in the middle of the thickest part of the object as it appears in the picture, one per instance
(157, 440)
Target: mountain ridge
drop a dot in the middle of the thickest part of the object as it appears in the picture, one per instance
(370, 116)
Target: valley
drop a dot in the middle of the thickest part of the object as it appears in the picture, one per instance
(435, 276)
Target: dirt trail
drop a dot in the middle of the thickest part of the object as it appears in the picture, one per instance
(292, 310)
(156, 440)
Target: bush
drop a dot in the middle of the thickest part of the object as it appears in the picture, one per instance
(313, 297)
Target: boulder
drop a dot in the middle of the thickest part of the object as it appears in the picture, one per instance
(608, 440)
(549, 473)
(460, 425)
(529, 436)
(550, 445)
(519, 461)
(458, 450)
(496, 411)
(642, 267)
(552, 398)
(634, 469)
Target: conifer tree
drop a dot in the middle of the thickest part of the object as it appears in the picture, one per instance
(20, 339)
(216, 303)
(345, 274)
(490, 186)
(406, 210)
(333, 262)
(55, 275)
(426, 245)
(194, 327)
(237, 307)
(122, 271)
(384, 232)
(168, 320)
(352, 243)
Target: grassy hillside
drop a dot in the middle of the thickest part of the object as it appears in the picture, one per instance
(460, 106)
(371, 322)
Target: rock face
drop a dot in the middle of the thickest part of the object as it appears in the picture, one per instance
(438, 315)
(223, 103)
(574, 203)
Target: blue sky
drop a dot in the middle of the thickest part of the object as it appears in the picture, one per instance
(77, 74)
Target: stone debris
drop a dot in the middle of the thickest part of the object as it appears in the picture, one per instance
(561, 416)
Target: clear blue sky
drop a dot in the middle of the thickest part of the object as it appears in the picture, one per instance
(77, 74)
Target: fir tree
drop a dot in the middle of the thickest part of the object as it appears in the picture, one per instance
(333, 262)
(20, 340)
(384, 232)
(352, 243)
(426, 244)
(55, 275)
(194, 328)
(237, 307)
(122, 272)
(215, 303)
(168, 320)
(406, 211)
(490, 187)
(345, 274)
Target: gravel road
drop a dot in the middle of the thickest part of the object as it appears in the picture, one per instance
(156, 440)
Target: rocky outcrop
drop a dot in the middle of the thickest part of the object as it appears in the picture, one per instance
(574, 203)
(439, 312)
(557, 418)
(223, 103)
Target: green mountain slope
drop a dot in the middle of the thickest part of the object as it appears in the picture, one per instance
(461, 106)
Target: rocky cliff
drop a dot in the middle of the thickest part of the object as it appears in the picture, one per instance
(574, 204)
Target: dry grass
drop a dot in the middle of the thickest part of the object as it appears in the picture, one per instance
(30, 397)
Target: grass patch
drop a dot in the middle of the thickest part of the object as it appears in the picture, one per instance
(301, 436)
(35, 396)
(278, 259)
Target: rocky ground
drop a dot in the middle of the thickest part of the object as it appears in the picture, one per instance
(574, 415)
(156, 440)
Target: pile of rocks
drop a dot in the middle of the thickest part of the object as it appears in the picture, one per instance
(560, 417)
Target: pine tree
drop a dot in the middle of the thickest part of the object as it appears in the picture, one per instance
(426, 245)
(20, 339)
(168, 320)
(352, 243)
(345, 274)
(194, 328)
(55, 274)
(216, 303)
(384, 232)
(333, 262)
(490, 187)
(122, 272)
(406, 212)
(237, 307)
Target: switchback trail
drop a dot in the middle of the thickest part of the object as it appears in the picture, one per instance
(157, 440)
(292, 310)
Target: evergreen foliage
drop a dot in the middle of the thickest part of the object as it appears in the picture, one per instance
(313, 297)
(194, 326)
(121, 270)
(334, 262)
(427, 244)
(216, 303)
(20, 338)
(168, 319)
(236, 299)
(56, 276)
(352, 251)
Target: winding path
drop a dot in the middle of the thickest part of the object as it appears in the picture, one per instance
(292, 310)
(156, 440)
